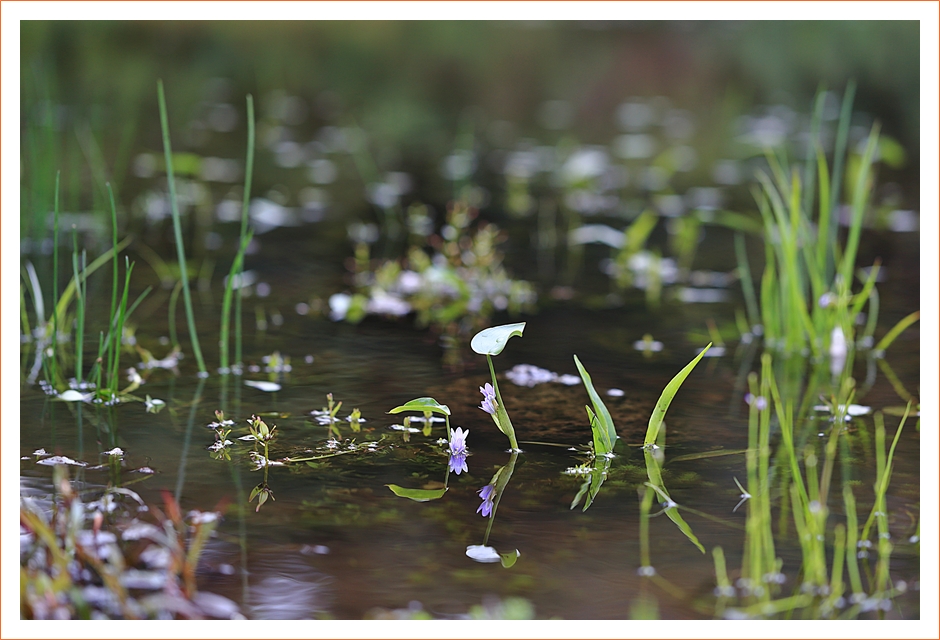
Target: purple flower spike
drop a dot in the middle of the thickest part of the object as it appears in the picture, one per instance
(457, 463)
(458, 442)
(486, 493)
(489, 399)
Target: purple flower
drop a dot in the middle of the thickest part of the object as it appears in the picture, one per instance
(486, 493)
(457, 463)
(458, 442)
(489, 399)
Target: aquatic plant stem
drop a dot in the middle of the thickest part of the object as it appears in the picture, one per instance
(79, 307)
(55, 285)
(249, 170)
(178, 232)
(115, 342)
(502, 416)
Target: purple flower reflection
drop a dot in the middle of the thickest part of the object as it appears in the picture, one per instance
(458, 463)
(489, 399)
(458, 442)
(486, 493)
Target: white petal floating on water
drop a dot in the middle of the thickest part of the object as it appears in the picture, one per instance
(596, 233)
(74, 396)
(482, 553)
(615, 393)
(568, 379)
(691, 295)
(400, 427)
(263, 385)
(116, 451)
(527, 375)
(714, 352)
(40, 452)
(54, 460)
(852, 409)
(648, 345)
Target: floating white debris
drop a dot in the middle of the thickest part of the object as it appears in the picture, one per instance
(54, 460)
(399, 427)
(145, 470)
(568, 379)
(482, 553)
(851, 410)
(263, 385)
(339, 305)
(317, 549)
(599, 233)
(615, 393)
(40, 452)
(203, 517)
(715, 352)
(74, 396)
(692, 295)
(648, 345)
(527, 375)
(116, 451)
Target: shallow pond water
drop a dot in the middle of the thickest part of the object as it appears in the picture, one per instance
(336, 542)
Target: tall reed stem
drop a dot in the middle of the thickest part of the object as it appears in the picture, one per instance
(178, 231)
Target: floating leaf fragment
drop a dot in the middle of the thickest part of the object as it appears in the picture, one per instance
(263, 385)
(54, 460)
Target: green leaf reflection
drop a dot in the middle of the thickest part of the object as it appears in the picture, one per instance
(418, 495)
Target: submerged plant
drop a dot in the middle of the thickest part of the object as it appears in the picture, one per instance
(491, 342)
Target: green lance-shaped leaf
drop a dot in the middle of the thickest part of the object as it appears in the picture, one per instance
(492, 341)
(602, 425)
(659, 412)
(418, 495)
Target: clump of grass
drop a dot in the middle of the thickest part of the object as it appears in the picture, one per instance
(806, 292)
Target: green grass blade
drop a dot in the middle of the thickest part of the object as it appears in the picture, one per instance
(177, 230)
(859, 201)
(897, 330)
(747, 284)
(659, 412)
(249, 171)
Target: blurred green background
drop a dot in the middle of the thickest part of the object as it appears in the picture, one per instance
(416, 86)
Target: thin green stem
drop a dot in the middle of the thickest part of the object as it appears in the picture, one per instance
(249, 170)
(54, 364)
(178, 231)
(501, 414)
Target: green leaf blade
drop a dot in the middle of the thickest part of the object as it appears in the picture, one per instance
(423, 404)
(492, 341)
(659, 412)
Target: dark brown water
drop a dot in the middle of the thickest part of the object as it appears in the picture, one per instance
(336, 542)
